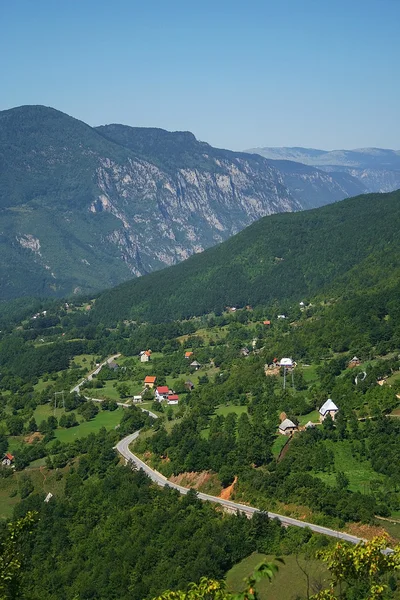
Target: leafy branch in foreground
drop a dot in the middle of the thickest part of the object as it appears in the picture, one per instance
(10, 557)
(210, 589)
(359, 571)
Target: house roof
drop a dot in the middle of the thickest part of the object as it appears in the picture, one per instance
(147, 352)
(309, 425)
(173, 397)
(286, 362)
(195, 364)
(188, 353)
(355, 359)
(150, 379)
(286, 424)
(9, 456)
(328, 405)
(267, 322)
(163, 389)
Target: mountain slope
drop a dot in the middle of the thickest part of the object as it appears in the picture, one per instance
(82, 208)
(79, 212)
(377, 169)
(280, 257)
(311, 187)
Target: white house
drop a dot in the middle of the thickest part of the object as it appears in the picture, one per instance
(173, 399)
(145, 356)
(287, 362)
(287, 427)
(162, 393)
(281, 317)
(328, 408)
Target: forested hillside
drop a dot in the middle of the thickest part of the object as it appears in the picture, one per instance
(351, 244)
(84, 208)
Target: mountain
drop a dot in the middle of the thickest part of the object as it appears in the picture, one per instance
(340, 248)
(377, 169)
(83, 208)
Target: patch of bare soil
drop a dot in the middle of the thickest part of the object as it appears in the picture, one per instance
(29, 439)
(228, 491)
(203, 481)
(367, 531)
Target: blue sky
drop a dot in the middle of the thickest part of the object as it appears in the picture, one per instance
(238, 73)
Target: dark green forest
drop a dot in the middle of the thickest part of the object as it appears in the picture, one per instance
(334, 250)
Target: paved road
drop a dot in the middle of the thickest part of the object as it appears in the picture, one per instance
(123, 448)
(77, 387)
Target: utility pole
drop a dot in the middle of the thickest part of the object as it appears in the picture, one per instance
(55, 400)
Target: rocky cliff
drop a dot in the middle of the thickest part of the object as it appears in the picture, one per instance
(83, 208)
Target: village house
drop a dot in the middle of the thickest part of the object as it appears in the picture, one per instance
(173, 399)
(162, 392)
(136, 399)
(188, 354)
(145, 356)
(281, 317)
(328, 408)
(287, 427)
(288, 363)
(149, 381)
(354, 362)
(189, 385)
(8, 460)
(244, 352)
(112, 365)
(195, 365)
(267, 322)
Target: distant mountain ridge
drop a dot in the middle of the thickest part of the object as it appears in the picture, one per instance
(378, 169)
(83, 208)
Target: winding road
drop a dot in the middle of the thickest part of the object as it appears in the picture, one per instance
(123, 449)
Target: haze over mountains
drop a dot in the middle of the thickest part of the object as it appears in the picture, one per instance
(83, 208)
(377, 169)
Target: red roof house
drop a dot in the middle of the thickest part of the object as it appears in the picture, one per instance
(150, 380)
(173, 399)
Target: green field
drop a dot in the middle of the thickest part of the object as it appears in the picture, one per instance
(44, 481)
(312, 416)
(289, 583)
(110, 392)
(278, 444)
(359, 473)
(230, 408)
(105, 418)
(85, 361)
(309, 373)
(44, 411)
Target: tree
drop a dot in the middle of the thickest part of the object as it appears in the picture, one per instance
(124, 390)
(210, 589)
(358, 572)
(32, 425)
(342, 481)
(15, 425)
(10, 555)
(88, 410)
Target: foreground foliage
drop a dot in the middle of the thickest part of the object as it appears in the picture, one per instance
(358, 573)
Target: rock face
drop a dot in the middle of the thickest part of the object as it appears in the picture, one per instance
(376, 169)
(83, 208)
